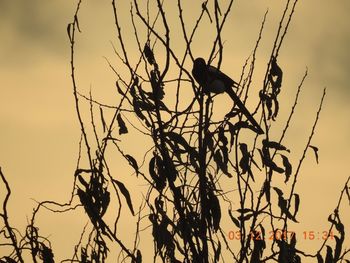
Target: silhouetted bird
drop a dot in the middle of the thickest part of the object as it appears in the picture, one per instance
(214, 81)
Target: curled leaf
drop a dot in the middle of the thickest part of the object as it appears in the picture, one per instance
(296, 204)
(234, 220)
(147, 51)
(132, 162)
(69, 32)
(104, 126)
(315, 151)
(126, 195)
(122, 127)
(287, 168)
(274, 145)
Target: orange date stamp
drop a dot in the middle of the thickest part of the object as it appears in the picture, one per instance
(282, 235)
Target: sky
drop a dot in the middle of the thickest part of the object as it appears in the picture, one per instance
(39, 131)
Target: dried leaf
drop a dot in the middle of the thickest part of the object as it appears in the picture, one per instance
(133, 163)
(69, 32)
(329, 255)
(244, 162)
(315, 151)
(222, 137)
(76, 20)
(178, 139)
(214, 216)
(338, 247)
(347, 192)
(138, 256)
(282, 203)
(122, 127)
(287, 167)
(218, 158)
(126, 195)
(155, 170)
(157, 85)
(275, 69)
(274, 145)
(46, 254)
(149, 54)
(119, 89)
(319, 258)
(296, 204)
(217, 253)
(104, 126)
(266, 191)
(234, 220)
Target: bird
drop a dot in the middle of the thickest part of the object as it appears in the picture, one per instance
(212, 80)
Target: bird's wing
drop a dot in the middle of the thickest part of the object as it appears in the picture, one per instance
(215, 73)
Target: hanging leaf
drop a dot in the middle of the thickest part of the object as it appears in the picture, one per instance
(232, 131)
(157, 85)
(296, 204)
(122, 127)
(76, 20)
(222, 137)
(276, 103)
(269, 163)
(119, 89)
(148, 54)
(210, 142)
(338, 247)
(347, 192)
(275, 71)
(178, 139)
(46, 254)
(69, 32)
(329, 255)
(104, 126)
(274, 145)
(126, 195)
(259, 246)
(234, 128)
(133, 163)
(234, 220)
(217, 253)
(138, 112)
(138, 256)
(244, 218)
(283, 205)
(287, 167)
(214, 212)
(266, 190)
(156, 172)
(268, 103)
(104, 202)
(315, 151)
(244, 163)
(218, 158)
(319, 258)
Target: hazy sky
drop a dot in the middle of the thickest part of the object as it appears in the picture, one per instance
(39, 132)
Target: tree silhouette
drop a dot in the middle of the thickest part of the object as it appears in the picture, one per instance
(202, 168)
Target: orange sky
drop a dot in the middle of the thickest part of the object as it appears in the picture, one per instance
(39, 132)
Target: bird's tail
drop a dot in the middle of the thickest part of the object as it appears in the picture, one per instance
(244, 110)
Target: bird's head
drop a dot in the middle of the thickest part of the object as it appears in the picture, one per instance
(199, 63)
(199, 70)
